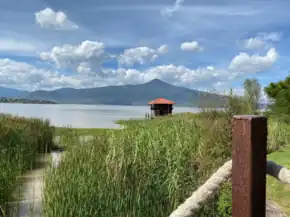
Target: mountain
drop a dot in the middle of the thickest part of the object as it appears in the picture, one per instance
(14, 93)
(130, 94)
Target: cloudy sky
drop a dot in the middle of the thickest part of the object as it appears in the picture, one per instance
(200, 44)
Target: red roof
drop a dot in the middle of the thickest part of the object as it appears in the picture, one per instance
(161, 101)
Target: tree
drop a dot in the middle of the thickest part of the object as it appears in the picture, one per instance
(279, 94)
(252, 90)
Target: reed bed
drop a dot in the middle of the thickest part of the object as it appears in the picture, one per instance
(21, 139)
(146, 169)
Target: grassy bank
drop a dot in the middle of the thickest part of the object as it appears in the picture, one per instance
(276, 190)
(21, 140)
(146, 169)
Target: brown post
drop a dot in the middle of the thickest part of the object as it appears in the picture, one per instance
(249, 166)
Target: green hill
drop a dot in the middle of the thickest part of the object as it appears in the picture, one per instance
(126, 94)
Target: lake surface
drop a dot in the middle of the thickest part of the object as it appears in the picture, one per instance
(82, 116)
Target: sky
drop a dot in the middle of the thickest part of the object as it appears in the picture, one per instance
(199, 44)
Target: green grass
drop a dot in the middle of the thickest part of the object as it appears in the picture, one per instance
(80, 131)
(276, 190)
(146, 169)
(138, 171)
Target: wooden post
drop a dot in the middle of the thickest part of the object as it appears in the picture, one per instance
(249, 166)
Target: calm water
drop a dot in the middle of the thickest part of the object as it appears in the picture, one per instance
(82, 116)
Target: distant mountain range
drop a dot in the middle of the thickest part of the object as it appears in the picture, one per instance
(10, 92)
(139, 94)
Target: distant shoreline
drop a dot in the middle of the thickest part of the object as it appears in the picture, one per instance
(24, 101)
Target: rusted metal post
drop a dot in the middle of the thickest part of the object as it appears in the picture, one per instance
(249, 166)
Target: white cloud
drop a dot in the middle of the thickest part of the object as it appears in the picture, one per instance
(191, 46)
(48, 18)
(255, 63)
(262, 40)
(178, 75)
(254, 43)
(163, 49)
(25, 76)
(272, 36)
(86, 57)
(141, 55)
(168, 11)
(20, 74)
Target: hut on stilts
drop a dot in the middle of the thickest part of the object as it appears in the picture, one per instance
(161, 107)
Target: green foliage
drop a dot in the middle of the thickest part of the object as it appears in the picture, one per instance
(224, 202)
(21, 140)
(279, 93)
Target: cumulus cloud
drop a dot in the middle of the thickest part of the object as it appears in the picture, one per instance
(29, 77)
(141, 55)
(255, 63)
(191, 46)
(86, 60)
(168, 11)
(86, 57)
(179, 75)
(23, 75)
(48, 18)
(20, 74)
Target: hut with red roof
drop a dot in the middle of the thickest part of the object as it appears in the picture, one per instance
(161, 107)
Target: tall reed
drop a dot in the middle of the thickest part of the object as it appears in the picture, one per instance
(146, 169)
(21, 139)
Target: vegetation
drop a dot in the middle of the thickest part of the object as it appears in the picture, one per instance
(146, 169)
(67, 131)
(24, 101)
(279, 94)
(276, 190)
(21, 140)
(151, 166)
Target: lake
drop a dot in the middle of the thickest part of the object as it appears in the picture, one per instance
(82, 116)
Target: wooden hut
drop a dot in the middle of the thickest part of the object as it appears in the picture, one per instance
(161, 107)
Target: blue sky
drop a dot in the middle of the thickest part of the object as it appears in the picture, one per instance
(201, 44)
